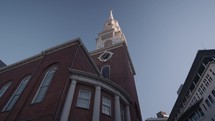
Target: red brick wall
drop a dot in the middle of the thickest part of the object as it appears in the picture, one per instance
(120, 73)
(55, 96)
(82, 114)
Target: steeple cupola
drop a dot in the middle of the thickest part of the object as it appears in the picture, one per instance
(111, 34)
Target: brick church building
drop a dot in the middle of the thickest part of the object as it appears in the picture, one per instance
(68, 83)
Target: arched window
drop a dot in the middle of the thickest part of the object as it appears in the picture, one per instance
(106, 71)
(44, 85)
(5, 87)
(12, 101)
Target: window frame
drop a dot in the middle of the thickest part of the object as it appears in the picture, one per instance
(83, 100)
(44, 85)
(5, 87)
(17, 93)
(208, 103)
(106, 104)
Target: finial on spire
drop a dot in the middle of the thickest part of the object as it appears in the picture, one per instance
(111, 15)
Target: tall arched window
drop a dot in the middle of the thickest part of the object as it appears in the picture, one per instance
(4, 88)
(12, 101)
(44, 85)
(106, 71)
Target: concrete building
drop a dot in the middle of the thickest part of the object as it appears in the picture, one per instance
(161, 116)
(196, 100)
(68, 83)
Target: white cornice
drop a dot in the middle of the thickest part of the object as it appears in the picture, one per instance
(103, 82)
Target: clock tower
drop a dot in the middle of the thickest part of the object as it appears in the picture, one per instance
(113, 60)
(111, 34)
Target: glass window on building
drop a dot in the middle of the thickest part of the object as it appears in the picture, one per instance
(208, 103)
(211, 99)
(213, 93)
(106, 71)
(44, 85)
(106, 106)
(83, 99)
(14, 98)
(4, 88)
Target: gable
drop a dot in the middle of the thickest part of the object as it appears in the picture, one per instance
(83, 62)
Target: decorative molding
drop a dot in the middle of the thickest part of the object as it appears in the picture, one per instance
(95, 80)
(105, 56)
(41, 55)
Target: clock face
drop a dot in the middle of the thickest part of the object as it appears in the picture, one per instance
(105, 56)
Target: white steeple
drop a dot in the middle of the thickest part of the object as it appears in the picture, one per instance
(111, 15)
(111, 34)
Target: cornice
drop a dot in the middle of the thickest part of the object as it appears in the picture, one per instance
(41, 55)
(98, 80)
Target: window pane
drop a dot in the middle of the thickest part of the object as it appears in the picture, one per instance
(22, 85)
(44, 85)
(47, 78)
(106, 110)
(41, 94)
(208, 103)
(106, 106)
(5, 87)
(84, 99)
(211, 99)
(106, 72)
(12, 101)
(213, 92)
(83, 103)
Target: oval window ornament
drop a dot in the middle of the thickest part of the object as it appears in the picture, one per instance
(106, 55)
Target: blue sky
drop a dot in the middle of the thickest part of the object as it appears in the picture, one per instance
(163, 37)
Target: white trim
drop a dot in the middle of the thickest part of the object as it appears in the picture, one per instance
(68, 102)
(102, 84)
(96, 106)
(105, 52)
(81, 98)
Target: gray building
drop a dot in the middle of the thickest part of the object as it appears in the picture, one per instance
(196, 100)
(161, 116)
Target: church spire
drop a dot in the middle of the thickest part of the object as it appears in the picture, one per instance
(111, 15)
(111, 34)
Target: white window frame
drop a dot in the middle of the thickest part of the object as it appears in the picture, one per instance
(14, 98)
(4, 88)
(106, 106)
(41, 92)
(83, 100)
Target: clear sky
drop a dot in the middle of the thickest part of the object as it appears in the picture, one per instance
(163, 37)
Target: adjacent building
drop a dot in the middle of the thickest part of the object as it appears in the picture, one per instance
(161, 116)
(68, 83)
(2, 64)
(196, 100)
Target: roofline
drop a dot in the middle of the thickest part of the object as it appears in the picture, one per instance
(90, 58)
(49, 51)
(201, 54)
